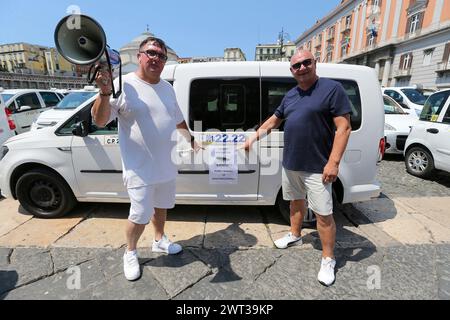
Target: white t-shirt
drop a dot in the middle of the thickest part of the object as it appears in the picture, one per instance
(148, 115)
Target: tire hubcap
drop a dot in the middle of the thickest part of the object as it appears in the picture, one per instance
(418, 161)
(44, 194)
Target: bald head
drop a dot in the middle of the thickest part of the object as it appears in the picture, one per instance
(301, 55)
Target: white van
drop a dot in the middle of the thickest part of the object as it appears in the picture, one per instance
(50, 169)
(428, 145)
(25, 105)
(6, 127)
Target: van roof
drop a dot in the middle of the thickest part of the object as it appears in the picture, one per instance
(209, 65)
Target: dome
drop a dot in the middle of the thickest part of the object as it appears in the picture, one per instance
(129, 52)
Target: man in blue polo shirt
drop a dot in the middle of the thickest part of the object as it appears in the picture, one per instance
(316, 132)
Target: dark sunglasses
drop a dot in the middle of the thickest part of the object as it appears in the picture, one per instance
(154, 54)
(305, 63)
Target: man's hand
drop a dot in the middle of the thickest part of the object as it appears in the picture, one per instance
(330, 173)
(103, 80)
(196, 147)
(247, 145)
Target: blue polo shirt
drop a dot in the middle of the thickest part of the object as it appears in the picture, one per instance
(309, 129)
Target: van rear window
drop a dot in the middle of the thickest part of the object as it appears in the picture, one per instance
(224, 104)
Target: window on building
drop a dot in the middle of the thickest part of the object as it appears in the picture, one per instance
(329, 56)
(348, 22)
(414, 23)
(427, 57)
(446, 57)
(406, 61)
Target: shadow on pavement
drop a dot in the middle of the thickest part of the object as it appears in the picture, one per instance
(8, 281)
(217, 259)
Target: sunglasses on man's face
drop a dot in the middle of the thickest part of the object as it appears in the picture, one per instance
(154, 54)
(305, 63)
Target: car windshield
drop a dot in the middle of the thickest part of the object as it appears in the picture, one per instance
(391, 107)
(6, 97)
(74, 99)
(415, 96)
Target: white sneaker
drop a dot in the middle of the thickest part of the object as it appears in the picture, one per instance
(288, 240)
(326, 274)
(166, 246)
(131, 267)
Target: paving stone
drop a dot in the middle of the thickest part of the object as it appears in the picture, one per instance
(242, 264)
(4, 256)
(408, 272)
(443, 271)
(64, 258)
(59, 286)
(29, 265)
(292, 277)
(118, 288)
(176, 273)
(220, 286)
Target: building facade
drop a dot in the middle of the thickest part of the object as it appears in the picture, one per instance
(28, 66)
(234, 54)
(199, 59)
(33, 59)
(275, 52)
(407, 42)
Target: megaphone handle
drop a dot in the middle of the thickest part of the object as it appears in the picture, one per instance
(93, 75)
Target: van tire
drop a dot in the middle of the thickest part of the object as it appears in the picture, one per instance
(44, 194)
(419, 162)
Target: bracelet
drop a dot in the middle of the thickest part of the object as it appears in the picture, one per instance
(105, 94)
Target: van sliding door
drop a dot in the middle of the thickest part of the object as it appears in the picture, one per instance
(222, 113)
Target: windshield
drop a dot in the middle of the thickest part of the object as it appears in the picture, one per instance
(415, 96)
(391, 107)
(74, 99)
(6, 97)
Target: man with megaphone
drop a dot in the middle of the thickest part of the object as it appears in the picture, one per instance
(148, 114)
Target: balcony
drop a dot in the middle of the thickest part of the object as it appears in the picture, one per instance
(403, 73)
(443, 67)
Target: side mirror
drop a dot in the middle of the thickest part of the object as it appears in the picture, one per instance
(24, 108)
(81, 129)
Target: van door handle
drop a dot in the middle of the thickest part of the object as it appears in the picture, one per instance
(433, 131)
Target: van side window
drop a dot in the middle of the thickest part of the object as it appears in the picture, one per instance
(274, 89)
(273, 92)
(433, 106)
(28, 99)
(224, 104)
(352, 90)
(50, 99)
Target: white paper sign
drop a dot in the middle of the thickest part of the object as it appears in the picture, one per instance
(223, 166)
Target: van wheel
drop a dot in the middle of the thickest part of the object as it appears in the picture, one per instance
(309, 221)
(44, 194)
(419, 162)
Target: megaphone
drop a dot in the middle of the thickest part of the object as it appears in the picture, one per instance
(84, 43)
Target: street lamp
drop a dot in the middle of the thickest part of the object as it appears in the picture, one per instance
(281, 39)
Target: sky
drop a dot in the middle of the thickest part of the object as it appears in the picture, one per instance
(192, 28)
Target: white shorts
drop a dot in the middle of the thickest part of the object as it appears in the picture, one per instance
(298, 185)
(145, 199)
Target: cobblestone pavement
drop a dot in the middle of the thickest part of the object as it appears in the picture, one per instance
(396, 181)
(388, 248)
